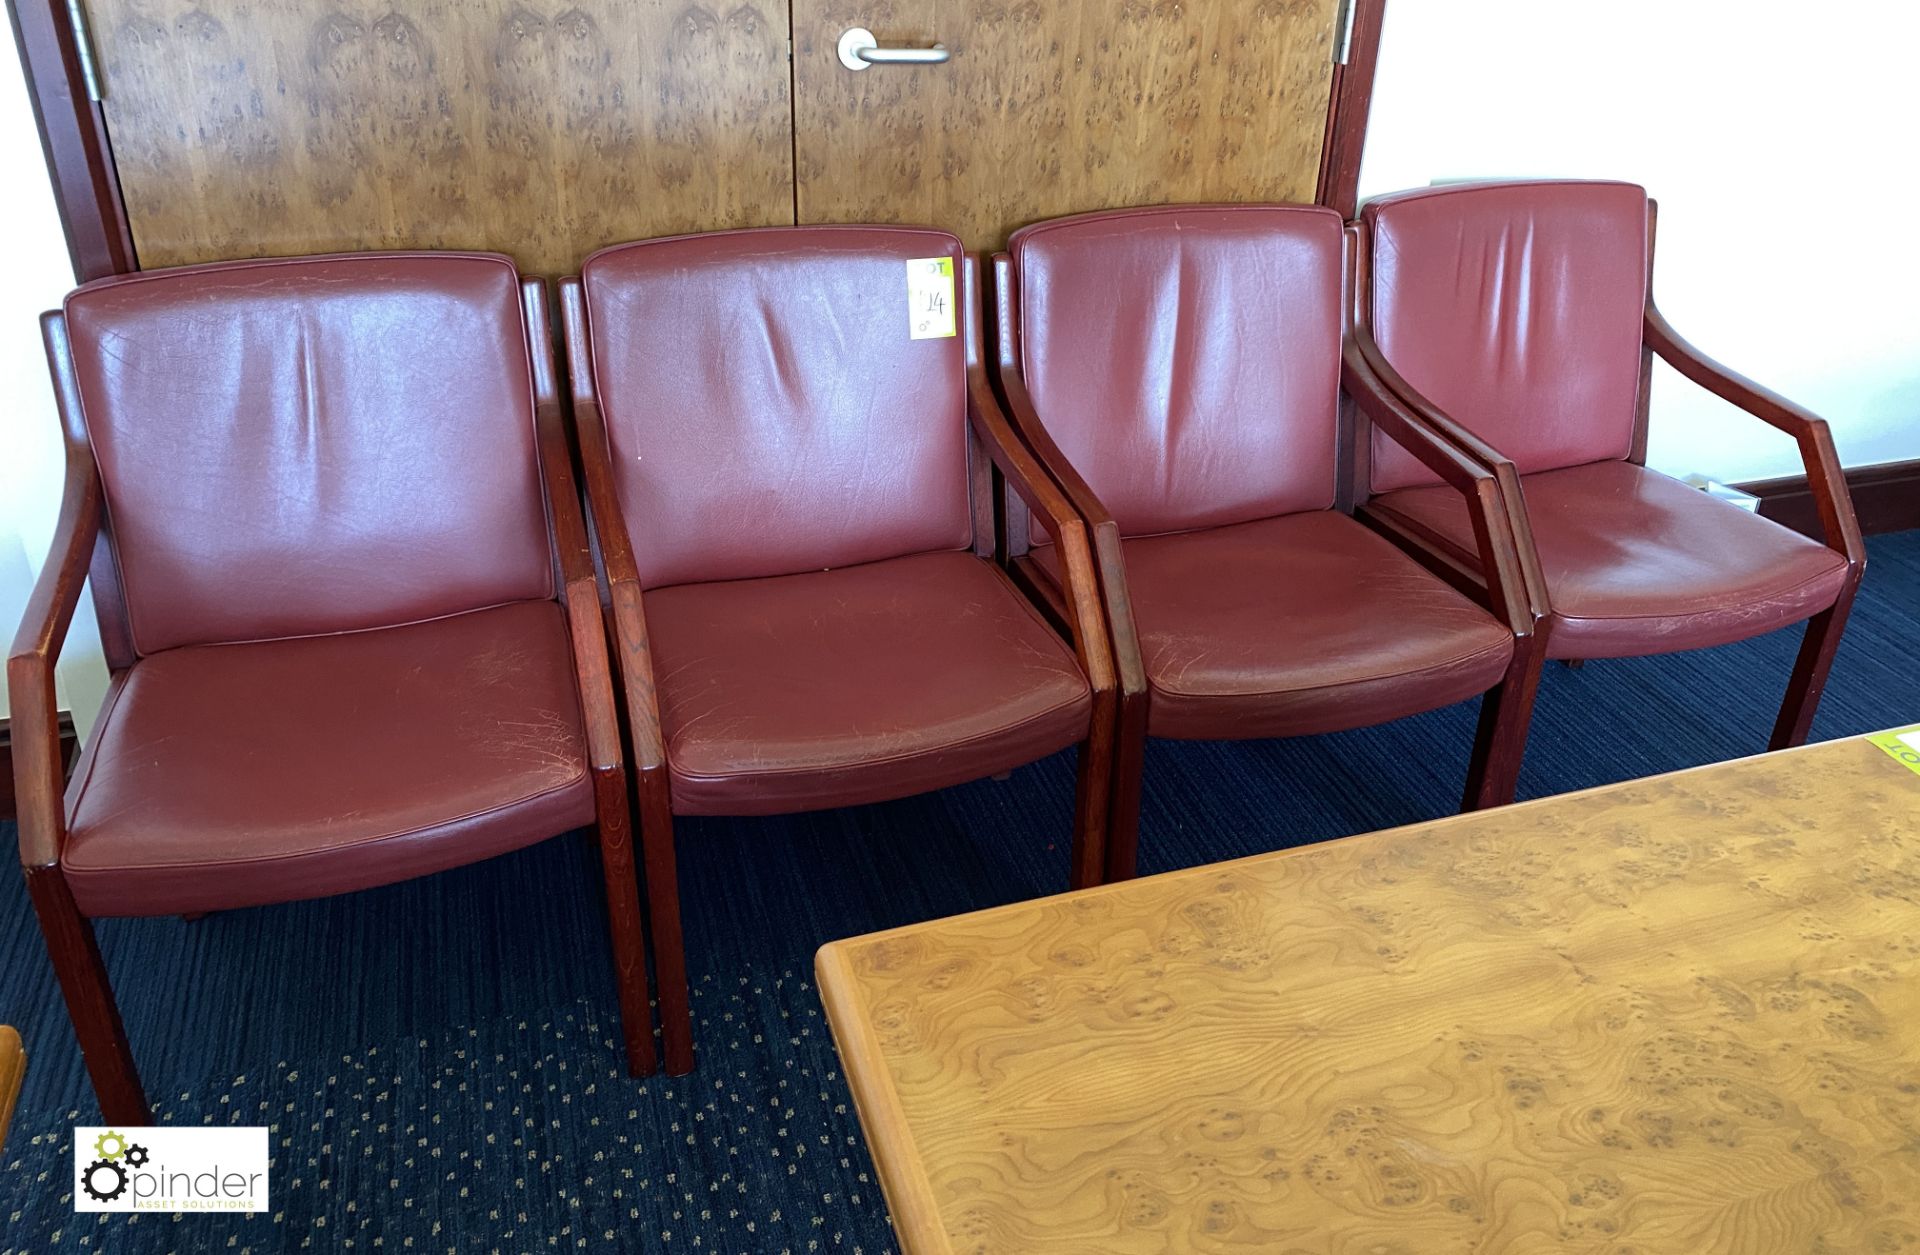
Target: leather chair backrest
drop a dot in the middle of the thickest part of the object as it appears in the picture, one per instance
(767, 410)
(1516, 308)
(312, 445)
(1186, 359)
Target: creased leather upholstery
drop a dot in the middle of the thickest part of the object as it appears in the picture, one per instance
(234, 775)
(766, 411)
(1639, 563)
(1516, 308)
(312, 444)
(855, 685)
(1300, 624)
(1186, 359)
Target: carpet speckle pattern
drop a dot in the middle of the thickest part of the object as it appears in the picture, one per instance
(438, 1060)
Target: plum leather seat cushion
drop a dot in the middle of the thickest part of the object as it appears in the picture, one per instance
(1303, 623)
(858, 684)
(233, 775)
(1637, 562)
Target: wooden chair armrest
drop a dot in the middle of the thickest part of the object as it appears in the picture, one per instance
(1103, 531)
(1416, 402)
(579, 589)
(38, 768)
(1824, 474)
(1026, 477)
(1395, 387)
(1499, 533)
(632, 650)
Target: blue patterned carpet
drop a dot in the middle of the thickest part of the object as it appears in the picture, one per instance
(437, 1059)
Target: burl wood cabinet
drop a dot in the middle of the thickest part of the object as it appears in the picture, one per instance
(189, 130)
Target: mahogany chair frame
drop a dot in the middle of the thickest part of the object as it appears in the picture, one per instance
(83, 536)
(995, 457)
(1825, 477)
(1505, 709)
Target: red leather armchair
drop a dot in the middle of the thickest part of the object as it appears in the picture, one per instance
(1179, 372)
(794, 508)
(1518, 319)
(345, 592)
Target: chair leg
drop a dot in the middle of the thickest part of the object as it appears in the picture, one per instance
(1501, 743)
(1093, 794)
(1809, 679)
(1129, 765)
(1090, 800)
(89, 997)
(663, 906)
(623, 917)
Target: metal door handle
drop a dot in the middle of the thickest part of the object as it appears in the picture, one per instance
(859, 49)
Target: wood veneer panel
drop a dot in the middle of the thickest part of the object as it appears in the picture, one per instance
(1050, 107)
(540, 128)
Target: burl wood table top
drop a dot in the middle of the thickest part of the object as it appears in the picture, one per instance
(13, 1069)
(1674, 1015)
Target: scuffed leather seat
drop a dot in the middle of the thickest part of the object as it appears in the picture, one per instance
(1517, 319)
(345, 593)
(233, 775)
(1300, 624)
(1639, 563)
(790, 494)
(832, 688)
(1179, 372)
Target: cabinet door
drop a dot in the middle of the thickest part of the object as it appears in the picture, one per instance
(1048, 107)
(539, 128)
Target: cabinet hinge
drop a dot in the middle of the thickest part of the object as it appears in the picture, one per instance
(83, 48)
(1342, 32)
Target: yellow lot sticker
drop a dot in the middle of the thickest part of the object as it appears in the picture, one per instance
(1902, 745)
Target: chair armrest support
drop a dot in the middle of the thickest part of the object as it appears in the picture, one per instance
(1376, 378)
(1824, 474)
(1498, 533)
(632, 649)
(1103, 531)
(580, 596)
(579, 591)
(1027, 478)
(39, 784)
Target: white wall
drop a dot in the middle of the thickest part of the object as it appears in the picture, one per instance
(37, 274)
(1783, 144)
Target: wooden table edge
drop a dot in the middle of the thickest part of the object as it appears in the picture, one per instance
(13, 1070)
(1864, 739)
(903, 1180)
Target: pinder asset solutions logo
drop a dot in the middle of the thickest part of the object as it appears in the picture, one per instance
(170, 1169)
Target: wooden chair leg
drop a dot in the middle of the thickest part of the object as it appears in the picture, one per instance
(1506, 712)
(89, 997)
(627, 935)
(1809, 679)
(1090, 800)
(663, 907)
(1129, 765)
(1093, 794)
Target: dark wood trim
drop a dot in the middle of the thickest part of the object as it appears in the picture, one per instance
(73, 135)
(1643, 397)
(69, 750)
(1348, 105)
(1886, 498)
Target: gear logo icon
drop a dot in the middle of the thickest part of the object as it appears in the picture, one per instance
(104, 1180)
(110, 1138)
(136, 1156)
